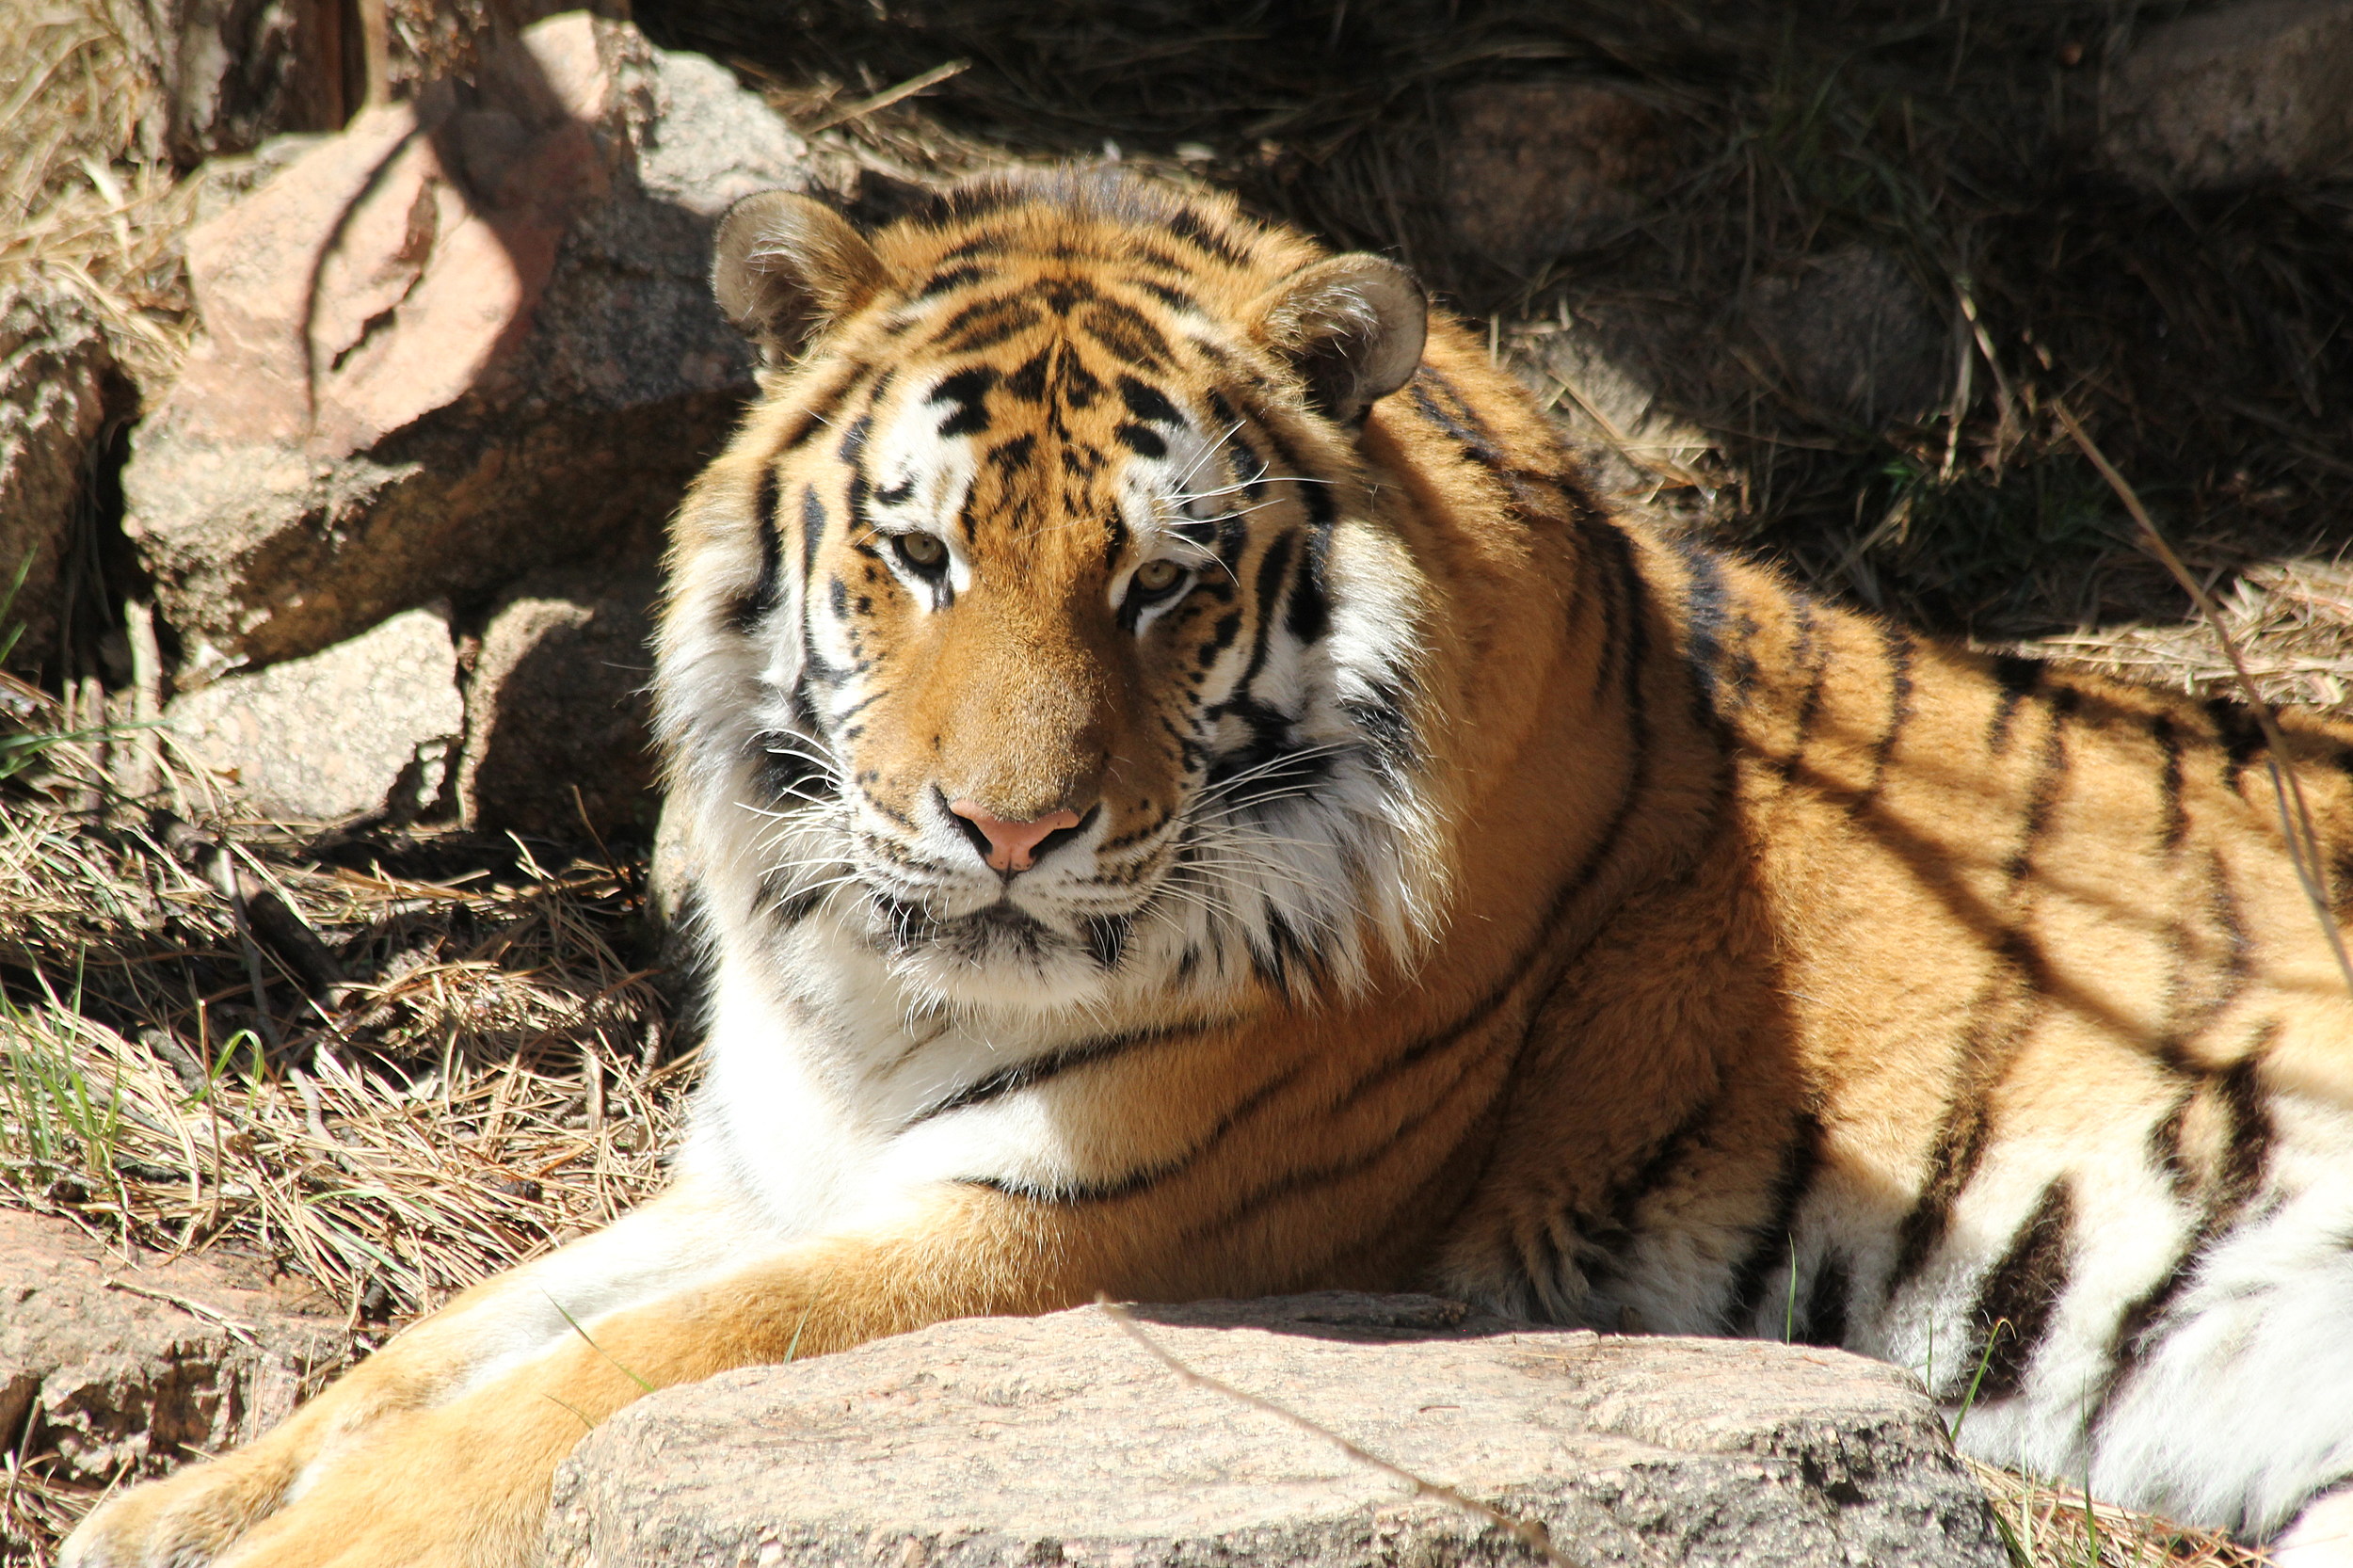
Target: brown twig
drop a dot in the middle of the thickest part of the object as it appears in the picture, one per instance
(231, 1326)
(255, 905)
(1529, 1532)
(888, 96)
(142, 761)
(2295, 817)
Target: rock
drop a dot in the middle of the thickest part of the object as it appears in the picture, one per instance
(1854, 336)
(1058, 1440)
(126, 1365)
(557, 722)
(366, 726)
(228, 74)
(53, 377)
(1536, 168)
(463, 339)
(2260, 89)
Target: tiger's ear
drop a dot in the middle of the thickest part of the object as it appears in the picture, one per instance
(1353, 327)
(784, 266)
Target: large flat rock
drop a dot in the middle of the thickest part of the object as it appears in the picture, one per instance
(1061, 1440)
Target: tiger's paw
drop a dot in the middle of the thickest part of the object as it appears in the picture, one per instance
(190, 1518)
(405, 1497)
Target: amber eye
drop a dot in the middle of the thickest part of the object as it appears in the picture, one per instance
(1158, 577)
(925, 552)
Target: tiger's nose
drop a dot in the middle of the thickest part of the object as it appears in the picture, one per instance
(1012, 845)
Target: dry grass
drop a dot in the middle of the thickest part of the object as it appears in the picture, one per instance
(87, 198)
(2293, 618)
(490, 1080)
(2051, 1526)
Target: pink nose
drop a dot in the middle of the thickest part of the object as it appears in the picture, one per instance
(1010, 842)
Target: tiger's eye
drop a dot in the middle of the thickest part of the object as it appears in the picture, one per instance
(922, 550)
(1158, 577)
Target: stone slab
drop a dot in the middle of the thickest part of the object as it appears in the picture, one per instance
(1060, 1440)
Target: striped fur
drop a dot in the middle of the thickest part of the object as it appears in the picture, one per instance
(1471, 889)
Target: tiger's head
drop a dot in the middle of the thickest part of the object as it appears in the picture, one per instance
(1038, 638)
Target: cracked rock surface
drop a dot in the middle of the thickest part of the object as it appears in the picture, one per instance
(1061, 1440)
(129, 1365)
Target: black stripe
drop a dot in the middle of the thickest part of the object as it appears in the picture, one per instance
(852, 445)
(1044, 1069)
(1826, 1303)
(1812, 655)
(968, 390)
(2193, 1003)
(1897, 644)
(1310, 614)
(985, 325)
(2247, 1154)
(1062, 293)
(2236, 1183)
(1468, 430)
(1706, 614)
(1772, 1243)
(812, 531)
(2015, 1306)
(2239, 733)
(1126, 334)
(950, 279)
(2050, 771)
(2164, 1147)
(1186, 225)
(2016, 677)
(1146, 1177)
(746, 611)
(1300, 1179)
(1314, 494)
(2172, 819)
(2004, 1008)
(1147, 403)
(1613, 1225)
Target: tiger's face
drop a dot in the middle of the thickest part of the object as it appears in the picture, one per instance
(1066, 663)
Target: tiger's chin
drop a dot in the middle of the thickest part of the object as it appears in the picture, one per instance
(1004, 959)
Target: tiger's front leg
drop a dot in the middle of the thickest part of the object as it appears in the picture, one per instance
(210, 1511)
(410, 1467)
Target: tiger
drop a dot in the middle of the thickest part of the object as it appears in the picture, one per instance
(1188, 790)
